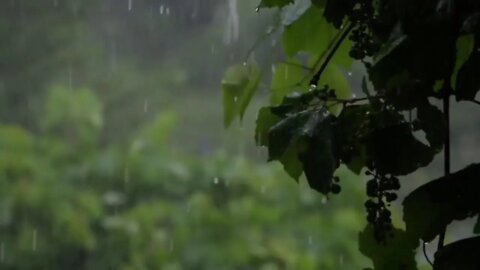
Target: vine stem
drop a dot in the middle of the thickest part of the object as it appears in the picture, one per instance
(446, 159)
(330, 55)
(447, 92)
(355, 100)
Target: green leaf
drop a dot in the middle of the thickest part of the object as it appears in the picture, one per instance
(274, 3)
(238, 86)
(429, 208)
(285, 80)
(320, 160)
(335, 79)
(357, 162)
(468, 79)
(310, 33)
(397, 254)
(463, 254)
(350, 128)
(406, 93)
(265, 120)
(289, 131)
(290, 138)
(394, 150)
(289, 159)
(464, 49)
(417, 52)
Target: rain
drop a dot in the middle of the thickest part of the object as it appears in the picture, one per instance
(114, 153)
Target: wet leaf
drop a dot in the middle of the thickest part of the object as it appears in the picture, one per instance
(429, 208)
(394, 150)
(289, 131)
(265, 120)
(310, 33)
(285, 80)
(463, 254)
(464, 48)
(397, 254)
(468, 79)
(320, 160)
(238, 86)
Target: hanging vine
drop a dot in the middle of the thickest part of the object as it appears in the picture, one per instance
(413, 52)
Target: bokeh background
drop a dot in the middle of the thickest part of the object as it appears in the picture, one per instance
(113, 153)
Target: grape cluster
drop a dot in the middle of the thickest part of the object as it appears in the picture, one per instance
(363, 15)
(380, 188)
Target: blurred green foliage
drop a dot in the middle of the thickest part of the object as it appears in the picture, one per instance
(65, 203)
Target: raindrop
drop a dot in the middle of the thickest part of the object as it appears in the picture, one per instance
(232, 27)
(263, 189)
(55, 3)
(34, 240)
(167, 11)
(274, 42)
(341, 260)
(244, 64)
(235, 99)
(130, 5)
(310, 239)
(257, 9)
(313, 87)
(349, 73)
(273, 68)
(354, 96)
(324, 200)
(326, 113)
(216, 180)
(161, 9)
(212, 48)
(145, 106)
(286, 73)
